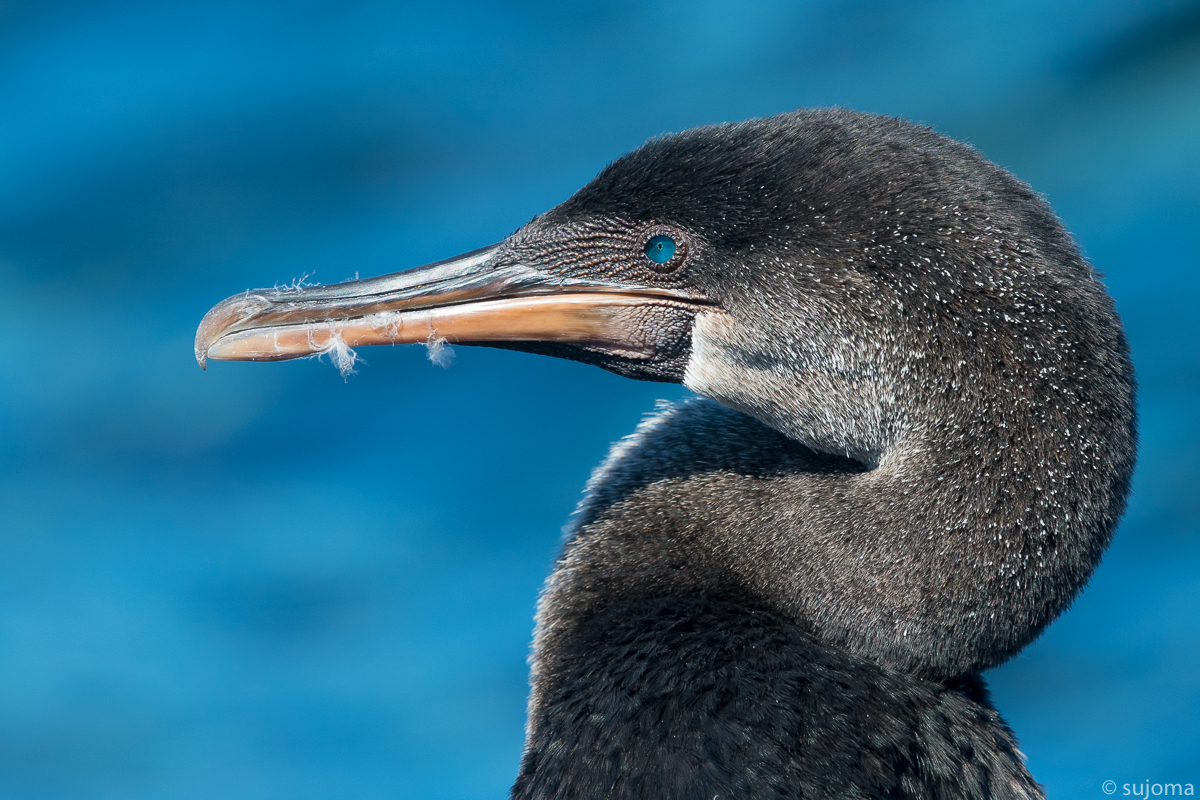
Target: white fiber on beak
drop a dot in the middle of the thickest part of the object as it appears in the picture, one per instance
(440, 351)
(342, 356)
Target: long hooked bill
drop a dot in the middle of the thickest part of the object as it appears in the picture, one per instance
(470, 299)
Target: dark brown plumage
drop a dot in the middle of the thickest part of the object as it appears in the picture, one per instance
(894, 300)
(921, 443)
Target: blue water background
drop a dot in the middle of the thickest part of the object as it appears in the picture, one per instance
(266, 582)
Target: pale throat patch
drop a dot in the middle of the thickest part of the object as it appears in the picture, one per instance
(709, 371)
(815, 408)
(715, 372)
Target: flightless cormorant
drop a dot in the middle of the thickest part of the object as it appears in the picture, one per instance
(921, 443)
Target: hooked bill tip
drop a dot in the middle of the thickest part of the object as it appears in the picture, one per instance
(224, 318)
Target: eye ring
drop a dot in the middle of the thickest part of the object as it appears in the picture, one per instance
(664, 250)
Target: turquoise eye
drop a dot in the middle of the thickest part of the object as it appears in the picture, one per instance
(660, 249)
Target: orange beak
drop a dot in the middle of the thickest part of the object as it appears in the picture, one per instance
(476, 298)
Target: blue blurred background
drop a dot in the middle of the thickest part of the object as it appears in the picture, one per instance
(266, 582)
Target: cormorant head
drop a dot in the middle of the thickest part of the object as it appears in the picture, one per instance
(862, 285)
(828, 272)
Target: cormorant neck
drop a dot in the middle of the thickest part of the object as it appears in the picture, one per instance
(978, 524)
